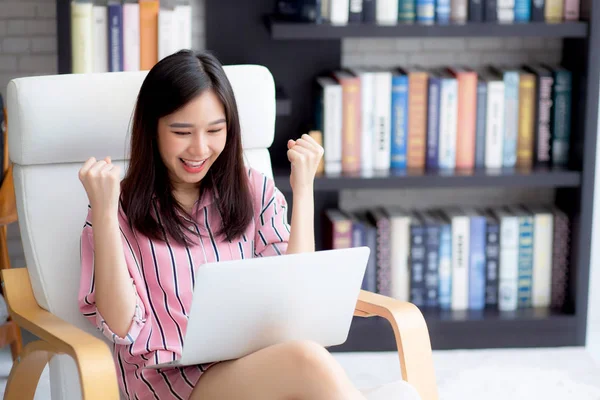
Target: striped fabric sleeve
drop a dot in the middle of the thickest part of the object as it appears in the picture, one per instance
(271, 211)
(86, 298)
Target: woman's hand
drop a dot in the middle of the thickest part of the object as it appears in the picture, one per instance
(101, 180)
(305, 155)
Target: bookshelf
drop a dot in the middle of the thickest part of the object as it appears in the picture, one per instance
(281, 30)
(242, 32)
(401, 179)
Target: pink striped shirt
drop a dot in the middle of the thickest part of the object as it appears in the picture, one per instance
(163, 275)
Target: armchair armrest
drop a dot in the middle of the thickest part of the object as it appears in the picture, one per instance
(8, 207)
(93, 357)
(412, 339)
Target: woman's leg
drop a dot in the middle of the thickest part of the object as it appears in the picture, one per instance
(293, 370)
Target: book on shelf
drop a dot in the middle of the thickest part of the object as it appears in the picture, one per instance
(127, 35)
(503, 258)
(427, 12)
(444, 118)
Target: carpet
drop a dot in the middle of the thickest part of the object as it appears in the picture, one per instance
(492, 374)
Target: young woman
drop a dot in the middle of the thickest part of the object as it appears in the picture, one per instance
(187, 199)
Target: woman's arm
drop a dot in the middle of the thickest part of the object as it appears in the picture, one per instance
(305, 155)
(302, 227)
(115, 295)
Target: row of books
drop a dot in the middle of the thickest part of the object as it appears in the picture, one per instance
(444, 118)
(504, 258)
(391, 12)
(127, 35)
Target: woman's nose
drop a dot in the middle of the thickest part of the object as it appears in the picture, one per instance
(199, 145)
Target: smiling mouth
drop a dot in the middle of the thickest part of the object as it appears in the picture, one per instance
(193, 167)
(193, 164)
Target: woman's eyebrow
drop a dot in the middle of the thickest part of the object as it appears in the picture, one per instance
(181, 125)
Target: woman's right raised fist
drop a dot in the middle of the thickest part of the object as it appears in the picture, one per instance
(101, 180)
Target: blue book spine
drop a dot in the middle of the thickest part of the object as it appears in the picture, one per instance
(433, 123)
(525, 276)
(370, 240)
(537, 10)
(426, 11)
(115, 37)
(561, 116)
(492, 263)
(475, 10)
(442, 11)
(480, 124)
(522, 10)
(407, 11)
(359, 238)
(490, 12)
(432, 247)
(477, 263)
(445, 267)
(417, 265)
(511, 120)
(399, 121)
(371, 272)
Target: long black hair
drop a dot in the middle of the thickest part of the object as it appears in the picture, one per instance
(170, 85)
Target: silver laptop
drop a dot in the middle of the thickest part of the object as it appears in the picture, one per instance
(242, 306)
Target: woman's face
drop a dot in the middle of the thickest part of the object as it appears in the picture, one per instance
(191, 139)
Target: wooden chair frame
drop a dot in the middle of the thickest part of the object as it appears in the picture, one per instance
(10, 334)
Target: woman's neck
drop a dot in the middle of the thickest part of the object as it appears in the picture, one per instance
(186, 195)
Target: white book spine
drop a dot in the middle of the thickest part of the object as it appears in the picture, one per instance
(100, 38)
(383, 120)
(367, 89)
(458, 10)
(165, 32)
(506, 10)
(460, 262)
(494, 131)
(338, 11)
(542, 259)
(387, 12)
(399, 258)
(448, 123)
(183, 17)
(131, 37)
(82, 37)
(505, 4)
(356, 6)
(509, 264)
(506, 15)
(333, 129)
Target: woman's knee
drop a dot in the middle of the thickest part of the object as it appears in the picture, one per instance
(310, 358)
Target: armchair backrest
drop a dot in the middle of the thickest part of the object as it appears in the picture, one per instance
(57, 122)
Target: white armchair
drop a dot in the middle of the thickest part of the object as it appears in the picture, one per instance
(55, 124)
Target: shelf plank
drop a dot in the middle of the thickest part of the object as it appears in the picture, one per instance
(299, 30)
(393, 179)
(471, 330)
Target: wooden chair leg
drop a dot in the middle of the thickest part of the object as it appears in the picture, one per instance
(16, 347)
(25, 373)
(15, 339)
(4, 256)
